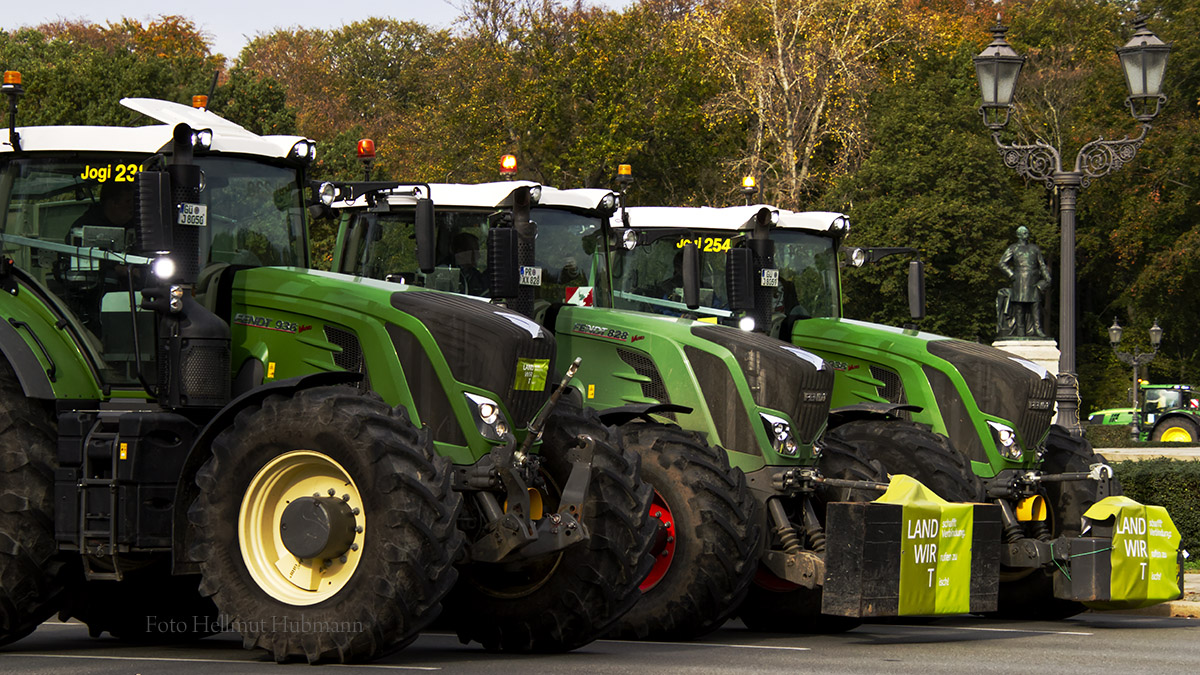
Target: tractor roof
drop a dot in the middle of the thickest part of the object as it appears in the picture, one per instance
(490, 195)
(733, 218)
(228, 137)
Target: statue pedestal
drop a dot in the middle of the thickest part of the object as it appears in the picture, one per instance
(1042, 352)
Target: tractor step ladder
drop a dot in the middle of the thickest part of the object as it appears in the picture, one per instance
(98, 529)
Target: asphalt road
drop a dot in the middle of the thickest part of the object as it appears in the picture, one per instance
(1091, 643)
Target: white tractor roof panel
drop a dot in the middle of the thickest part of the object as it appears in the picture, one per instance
(227, 136)
(732, 218)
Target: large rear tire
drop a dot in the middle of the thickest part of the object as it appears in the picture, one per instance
(776, 606)
(388, 547)
(708, 544)
(1030, 595)
(1175, 430)
(31, 584)
(564, 600)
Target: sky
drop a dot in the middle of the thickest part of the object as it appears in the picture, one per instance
(231, 23)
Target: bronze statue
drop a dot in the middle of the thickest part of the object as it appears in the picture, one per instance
(1018, 309)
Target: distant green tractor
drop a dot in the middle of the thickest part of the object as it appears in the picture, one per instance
(193, 416)
(701, 403)
(1169, 412)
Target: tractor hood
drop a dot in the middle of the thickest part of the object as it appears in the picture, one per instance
(431, 333)
(724, 361)
(960, 375)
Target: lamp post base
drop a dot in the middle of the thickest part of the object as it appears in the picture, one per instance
(1068, 403)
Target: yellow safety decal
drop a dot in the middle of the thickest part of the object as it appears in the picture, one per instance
(591, 391)
(1031, 508)
(706, 244)
(707, 319)
(271, 370)
(124, 451)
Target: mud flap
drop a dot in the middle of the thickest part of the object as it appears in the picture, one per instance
(1132, 560)
(910, 553)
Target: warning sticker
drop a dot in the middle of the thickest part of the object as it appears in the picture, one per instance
(531, 374)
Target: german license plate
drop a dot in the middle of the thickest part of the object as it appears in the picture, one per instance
(193, 214)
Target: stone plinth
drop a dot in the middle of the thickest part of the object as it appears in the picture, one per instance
(1042, 352)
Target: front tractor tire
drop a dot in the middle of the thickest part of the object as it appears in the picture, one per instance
(564, 600)
(31, 578)
(325, 526)
(1026, 594)
(709, 539)
(903, 447)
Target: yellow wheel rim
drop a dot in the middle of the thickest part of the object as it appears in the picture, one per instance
(1176, 435)
(278, 572)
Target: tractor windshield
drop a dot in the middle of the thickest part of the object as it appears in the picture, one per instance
(255, 211)
(67, 221)
(808, 275)
(649, 277)
(383, 246)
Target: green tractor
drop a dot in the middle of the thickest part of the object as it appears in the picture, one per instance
(728, 423)
(781, 276)
(1169, 412)
(202, 433)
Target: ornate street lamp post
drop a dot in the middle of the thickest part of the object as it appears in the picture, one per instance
(1137, 359)
(1144, 60)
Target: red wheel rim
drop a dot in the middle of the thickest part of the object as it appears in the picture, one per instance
(664, 544)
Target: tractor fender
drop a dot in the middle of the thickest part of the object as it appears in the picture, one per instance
(627, 413)
(1176, 414)
(869, 411)
(32, 375)
(186, 489)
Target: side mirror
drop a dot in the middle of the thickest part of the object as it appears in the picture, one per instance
(503, 273)
(739, 279)
(424, 232)
(691, 276)
(916, 289)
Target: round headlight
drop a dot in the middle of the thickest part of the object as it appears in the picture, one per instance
(629, 240)
(858, 257)
(163, 268)
(535, 194)
(326, 193)
(487, 412)
(608, 202)
(747, 323)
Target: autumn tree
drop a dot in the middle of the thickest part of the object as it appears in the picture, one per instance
(77, 72)
(798, 74)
